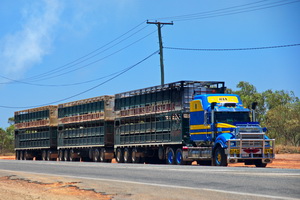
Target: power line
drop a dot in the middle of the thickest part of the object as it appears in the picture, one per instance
(228, 11)
(235, 49)
(82, 57)
(81, 67)
(92, 88)
(88, 58)
(64, 85)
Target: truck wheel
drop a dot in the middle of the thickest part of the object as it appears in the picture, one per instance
(102, 155)
(27, 156)
(259, 163)
(44, 155)
(220, 157)
(170, 156)
(72, 155)
(66, 155)
(61, 155)
(17, 155)
(127, 155)
(49, 155)
(134, 157)
(179, 157)
(96, 155)
(21, 155)
(119, 156)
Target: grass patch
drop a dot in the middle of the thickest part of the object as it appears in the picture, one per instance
(281, 149)
(7, 154)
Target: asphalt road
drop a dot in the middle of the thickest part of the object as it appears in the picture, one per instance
(252, 183)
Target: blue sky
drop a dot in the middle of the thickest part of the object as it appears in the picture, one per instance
(48, 46)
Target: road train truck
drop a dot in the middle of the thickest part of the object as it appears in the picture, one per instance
(174, 123)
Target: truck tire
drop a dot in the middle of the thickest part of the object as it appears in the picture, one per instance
(170, 156)
(119, 155)
(44, 155)
(127, 155)
(66, 155)
(102, 155)
(72, 155)
(178, 157)
(21, 155)
(220, 157)
(61, 155)
(134, 157)
(17, 155)
(49, 152)
(96, 155)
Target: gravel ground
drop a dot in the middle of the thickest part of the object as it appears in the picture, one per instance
(20, 186)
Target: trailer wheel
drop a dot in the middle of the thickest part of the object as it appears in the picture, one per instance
(66, 155)
(96, 155)
(44, 155)
(119, 156)
(17, 155)
(179, 157)
(61, 155)
(102, 155)
(259, 163)
(26, 156)
(49, 152)
(134, 157)
(220, 157)
(21, 155)
(127, 155)
(72, 155)
(170, 156)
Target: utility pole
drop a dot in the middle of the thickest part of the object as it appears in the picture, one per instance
(159, 25)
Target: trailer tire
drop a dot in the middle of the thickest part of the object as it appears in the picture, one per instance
(96, 155)
(44, 155)
(72, 155)
(49, 152)
(119, 155)
(127, 155)
(170, 156)
(66, 155)
(178, 157)
(102, 155)
(134, 157)
(21, 155)
(61, 155)
(17, 155)
(220, 157)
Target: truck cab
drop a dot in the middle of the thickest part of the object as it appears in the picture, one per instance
(220, 125)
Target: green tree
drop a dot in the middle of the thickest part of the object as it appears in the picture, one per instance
(7, 137)
(277, 110)
(283, 122)
(249, 94)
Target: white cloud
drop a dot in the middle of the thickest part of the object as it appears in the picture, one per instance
(22, 49)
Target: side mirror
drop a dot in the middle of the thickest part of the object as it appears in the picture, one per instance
(254, 104)
(212, 105)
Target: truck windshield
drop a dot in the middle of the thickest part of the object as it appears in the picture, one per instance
(231, 117)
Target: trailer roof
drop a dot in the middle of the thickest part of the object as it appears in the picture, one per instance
(84, 101)
(177, 84)
(50, 107)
